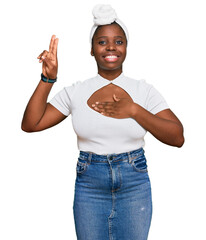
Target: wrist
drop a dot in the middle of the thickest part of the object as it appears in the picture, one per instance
(134, 110)
(48, 80)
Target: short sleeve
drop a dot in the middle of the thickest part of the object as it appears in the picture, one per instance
(155, 101)
(63, 99)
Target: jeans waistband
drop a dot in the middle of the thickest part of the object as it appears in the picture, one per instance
(93, 157)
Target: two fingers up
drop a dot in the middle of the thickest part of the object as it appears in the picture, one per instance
(49, 59)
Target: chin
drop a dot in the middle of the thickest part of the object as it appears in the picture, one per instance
(110, 68)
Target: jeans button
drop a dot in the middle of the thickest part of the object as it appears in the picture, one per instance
(111, 157)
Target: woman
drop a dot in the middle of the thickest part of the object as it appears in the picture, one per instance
(111, 113)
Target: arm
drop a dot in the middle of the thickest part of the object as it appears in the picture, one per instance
(39, 114)
(164, 126)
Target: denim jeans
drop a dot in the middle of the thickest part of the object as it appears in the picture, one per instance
(112, 196)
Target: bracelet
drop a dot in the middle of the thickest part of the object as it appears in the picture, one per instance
(44, 79)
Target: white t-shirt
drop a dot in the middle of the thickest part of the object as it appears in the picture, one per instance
(101, 134)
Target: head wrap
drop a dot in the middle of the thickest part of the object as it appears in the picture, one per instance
(104, 15)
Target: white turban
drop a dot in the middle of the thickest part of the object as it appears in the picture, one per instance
(103, 15)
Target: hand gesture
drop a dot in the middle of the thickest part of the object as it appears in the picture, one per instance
(49, 59)
(120, 108)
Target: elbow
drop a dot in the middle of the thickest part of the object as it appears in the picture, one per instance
(180, 137)
(180, 142)
(26, 128)
(176, 140)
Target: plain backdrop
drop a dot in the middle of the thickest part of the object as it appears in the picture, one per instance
(167, 48)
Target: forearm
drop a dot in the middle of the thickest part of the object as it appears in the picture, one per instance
(36, 106)
(167, 131)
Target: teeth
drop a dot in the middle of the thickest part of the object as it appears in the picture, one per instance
(111, 57)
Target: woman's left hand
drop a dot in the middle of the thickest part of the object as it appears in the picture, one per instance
(120, 108)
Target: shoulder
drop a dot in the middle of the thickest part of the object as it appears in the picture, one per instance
(78, 85)
(143, 90)
(140, 84)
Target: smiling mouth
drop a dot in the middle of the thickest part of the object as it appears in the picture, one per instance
(111, 58)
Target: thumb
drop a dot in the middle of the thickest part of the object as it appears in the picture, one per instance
(47, 62)
(116, 98)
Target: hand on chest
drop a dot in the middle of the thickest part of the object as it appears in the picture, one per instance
(106, 99)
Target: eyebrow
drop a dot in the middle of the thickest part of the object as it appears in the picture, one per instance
(107, 36)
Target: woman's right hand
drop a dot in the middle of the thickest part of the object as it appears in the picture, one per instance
(49, 59)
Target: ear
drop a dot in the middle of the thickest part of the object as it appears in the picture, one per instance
(92, 52)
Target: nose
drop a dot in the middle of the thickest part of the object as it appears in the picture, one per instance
(111, 47)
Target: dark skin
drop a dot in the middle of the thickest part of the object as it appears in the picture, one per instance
(165, 126)
(40, 115)
(108, 40)
(103, 45)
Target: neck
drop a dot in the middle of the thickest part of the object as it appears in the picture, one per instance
(110, 74)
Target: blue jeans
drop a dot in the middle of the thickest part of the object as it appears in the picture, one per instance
(112, 199)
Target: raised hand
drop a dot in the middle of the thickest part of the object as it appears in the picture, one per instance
(49, 59)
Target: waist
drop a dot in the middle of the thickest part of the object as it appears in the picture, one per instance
(93, 157)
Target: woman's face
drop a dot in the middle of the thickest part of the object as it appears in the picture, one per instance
(109, 48)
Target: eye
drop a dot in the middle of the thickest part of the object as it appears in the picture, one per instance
(119, 42)
(102, 42)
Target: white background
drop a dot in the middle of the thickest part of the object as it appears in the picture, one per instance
(37, 171)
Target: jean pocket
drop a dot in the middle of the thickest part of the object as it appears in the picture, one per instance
(81, 166)
(139, 163)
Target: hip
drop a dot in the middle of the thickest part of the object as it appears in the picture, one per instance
(121, 173)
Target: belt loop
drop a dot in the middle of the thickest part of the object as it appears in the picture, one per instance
(130, 159)
(90, 157)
